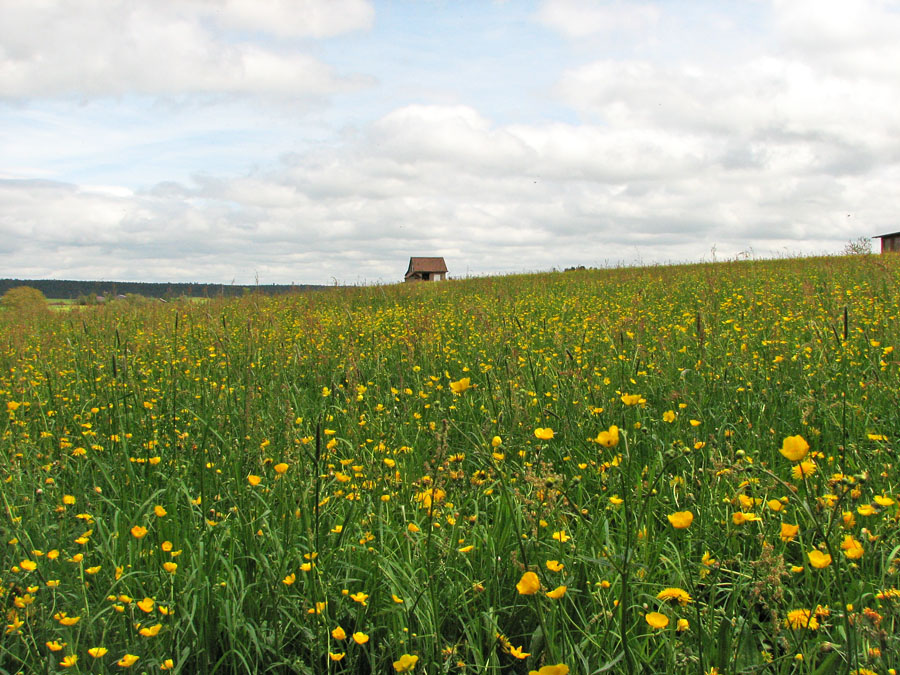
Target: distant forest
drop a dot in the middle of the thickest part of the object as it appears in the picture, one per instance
(69, 289)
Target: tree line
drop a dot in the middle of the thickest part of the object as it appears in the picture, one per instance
(72, 289)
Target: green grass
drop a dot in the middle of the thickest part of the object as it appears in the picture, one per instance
(314, 469)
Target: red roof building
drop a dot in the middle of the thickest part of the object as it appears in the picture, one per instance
(890, 243)
(426, 269)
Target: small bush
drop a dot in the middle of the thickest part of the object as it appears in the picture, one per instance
(24, 299)
(861, 246)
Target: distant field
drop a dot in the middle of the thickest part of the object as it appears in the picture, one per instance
(683, 469)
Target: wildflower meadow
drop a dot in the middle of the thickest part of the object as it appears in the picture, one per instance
(684, 469)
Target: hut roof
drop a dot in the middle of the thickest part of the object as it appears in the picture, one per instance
(430, 265)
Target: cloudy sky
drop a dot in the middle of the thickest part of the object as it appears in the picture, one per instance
(314, 141)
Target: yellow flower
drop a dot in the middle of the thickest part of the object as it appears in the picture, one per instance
(335, 657)
(803, 469)
(339, 634)
(794, 448)
(608, 439)
(97, 652)
(360, 638)
(788, 531)
(170, 567)
(518, 652)
(406, 663)
(775, 504)
(852, 548)
(127, 661)
(138, 532)
(151, 631)
(682, 625)
(159, 511)
(556, 593)
(69, 661)
(529, 584)
(466, 549)
(678, 595)
(253, 479)
(360, 598)
(55, 646)
(740, 517)
(631, 399)
(681, 519)
(28, 565)
(561, 536)
(554, 566)
(460, 386)
(545, 434)
(496, 442)
(656, 620)
(146, 605)
(168, 664)
(818, 559)
(66, 620)
(280, 468)
(289, 579)
(882, 500)
(669, 416)
(558, 669)
(866, 510)
(801, 618)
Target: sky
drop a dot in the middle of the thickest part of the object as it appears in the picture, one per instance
(327, 141)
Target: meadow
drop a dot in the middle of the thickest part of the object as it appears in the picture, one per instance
(686, 469)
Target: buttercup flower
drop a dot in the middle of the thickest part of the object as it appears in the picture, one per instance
(609, 438)
(545, 434)
(788, 531)
(681, 519)
(460, 386)
(558, 669)
(557, 592)
(794, 448)
(529, 584)
(852, 548)
(127, 661)
(406, 663)
(818, 559)
(656, 620)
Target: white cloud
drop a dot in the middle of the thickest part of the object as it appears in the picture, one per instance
(490, 198)
(583, 18)
(661, 152)
(170, 47)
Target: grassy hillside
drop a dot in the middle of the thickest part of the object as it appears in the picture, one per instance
(674, 469)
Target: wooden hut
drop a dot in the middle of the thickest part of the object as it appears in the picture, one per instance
(426, 269)
(890, 243)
